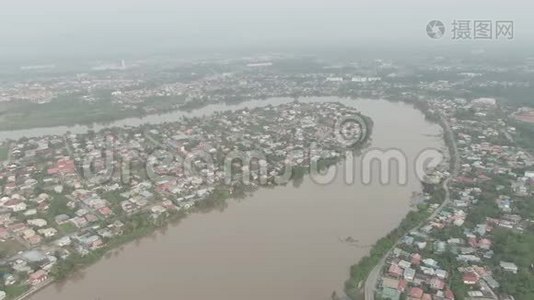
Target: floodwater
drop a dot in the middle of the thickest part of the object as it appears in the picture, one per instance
(281, 243)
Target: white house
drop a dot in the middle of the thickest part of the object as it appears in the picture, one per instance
(509, 267)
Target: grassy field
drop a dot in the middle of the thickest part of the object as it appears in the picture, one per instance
(62, 111)
(15, 291)
(525, 132)
(68, 228)
(10, 247)
(72, 110)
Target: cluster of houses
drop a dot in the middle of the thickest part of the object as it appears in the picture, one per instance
(423, 264)
(62, 195)
(243, 79)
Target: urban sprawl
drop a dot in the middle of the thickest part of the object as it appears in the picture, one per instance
(67, 199)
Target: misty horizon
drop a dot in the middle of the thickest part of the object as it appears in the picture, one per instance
(37, 31)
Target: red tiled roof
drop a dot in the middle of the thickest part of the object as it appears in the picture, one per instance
(402, 285)
(416, 292)
(395, 270)
(484, 242)
(63, 165)
(437, 283)
(470, 278)
(37, 275)
(449, 294)
(416, 258)
(3, 233)
(106, 211)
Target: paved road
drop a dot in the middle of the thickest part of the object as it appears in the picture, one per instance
(372, 278)
(35, 289)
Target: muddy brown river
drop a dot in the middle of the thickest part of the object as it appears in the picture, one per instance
(285, 243)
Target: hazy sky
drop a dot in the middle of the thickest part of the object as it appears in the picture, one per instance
(38, 27)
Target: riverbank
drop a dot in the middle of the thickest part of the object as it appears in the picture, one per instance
(360, 271)
(364, 274)
(142, 225)
(215, 201)
(76, 263)
(383, 111)
(35, 289)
